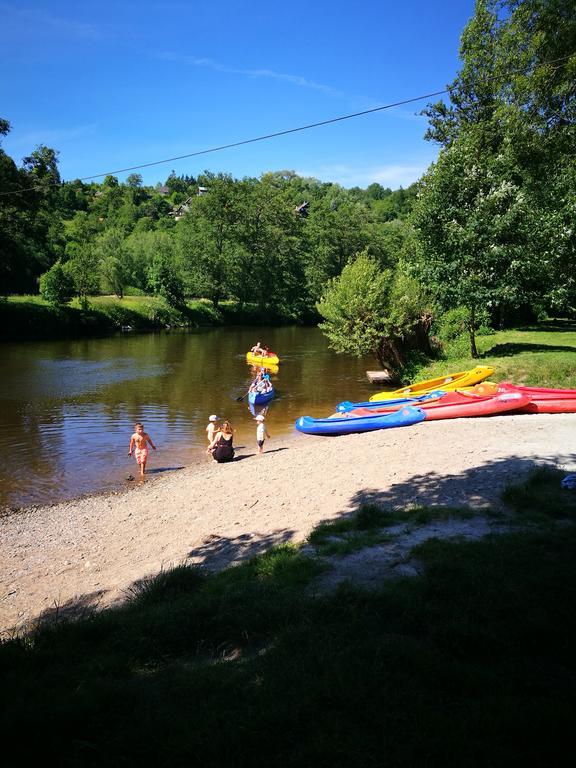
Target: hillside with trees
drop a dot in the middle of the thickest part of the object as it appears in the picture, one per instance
(488, 235)
(272, 241)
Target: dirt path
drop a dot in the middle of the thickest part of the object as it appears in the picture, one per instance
(89, 551)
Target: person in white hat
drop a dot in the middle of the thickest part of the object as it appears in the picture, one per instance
(261, 433)
(212, 427)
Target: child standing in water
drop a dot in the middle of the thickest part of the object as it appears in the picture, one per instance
(261, 433)
(212, 427)
(139, 442)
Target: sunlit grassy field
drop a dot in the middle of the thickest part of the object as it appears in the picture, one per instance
(542, 355)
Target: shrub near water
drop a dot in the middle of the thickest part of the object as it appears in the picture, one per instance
(56, 287)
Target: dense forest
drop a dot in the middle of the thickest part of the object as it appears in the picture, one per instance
(273, 241)
(487, 236)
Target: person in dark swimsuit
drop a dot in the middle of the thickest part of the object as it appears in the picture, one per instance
(221, 446)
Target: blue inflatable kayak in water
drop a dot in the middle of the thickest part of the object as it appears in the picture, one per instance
(344, 424)
(259, 398)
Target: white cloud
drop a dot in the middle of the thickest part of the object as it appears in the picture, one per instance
(392, 176)
(298, 80)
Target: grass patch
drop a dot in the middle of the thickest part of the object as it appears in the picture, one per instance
(471, 663)
(367, 527)
(540, 498)
(349, 534)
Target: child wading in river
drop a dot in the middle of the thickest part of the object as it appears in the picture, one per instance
(139, 442)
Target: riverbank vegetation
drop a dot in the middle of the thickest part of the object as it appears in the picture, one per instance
(480, 234)
(32, 317)
(256, 666)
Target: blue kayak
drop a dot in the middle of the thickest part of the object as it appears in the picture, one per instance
(344, 425)
(347, 405)
(259, 398)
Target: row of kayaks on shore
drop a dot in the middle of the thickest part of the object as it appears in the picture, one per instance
(460, 395)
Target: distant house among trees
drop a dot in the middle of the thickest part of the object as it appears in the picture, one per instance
(202, 190)
(302, 209)
(180, 210)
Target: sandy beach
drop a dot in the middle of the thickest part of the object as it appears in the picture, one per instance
(88, 552)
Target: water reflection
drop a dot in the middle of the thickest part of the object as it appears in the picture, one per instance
(67, 408)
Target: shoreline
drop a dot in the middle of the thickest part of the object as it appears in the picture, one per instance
(71, 556)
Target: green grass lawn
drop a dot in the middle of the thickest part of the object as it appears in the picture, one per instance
(542, 355)
(469, 664)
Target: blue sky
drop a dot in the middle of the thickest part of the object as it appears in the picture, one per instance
(115, 84)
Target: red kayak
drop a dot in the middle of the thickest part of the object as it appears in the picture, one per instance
(539, 393)
(551, 405)
(456, 405)
(542, 399)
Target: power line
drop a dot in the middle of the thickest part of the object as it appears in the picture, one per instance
(307, 127)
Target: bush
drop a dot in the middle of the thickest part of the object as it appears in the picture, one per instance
(454, 323)
(56, 287)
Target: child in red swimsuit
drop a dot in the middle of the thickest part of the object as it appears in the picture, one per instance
(139, 442)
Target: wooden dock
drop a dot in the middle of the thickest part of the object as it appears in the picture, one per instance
(381, 377)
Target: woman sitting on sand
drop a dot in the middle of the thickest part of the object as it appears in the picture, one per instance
(221, 447)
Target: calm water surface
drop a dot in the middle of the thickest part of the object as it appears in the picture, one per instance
(67, 408)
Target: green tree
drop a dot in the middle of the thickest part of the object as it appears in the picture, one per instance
(56, 286)
(336, 230)
(83, 268)
(492, 235)
(142, 248)
(28, 222)
(207, 239)
(113, 261)
(368, 310)
(266, 265)
(165, 281)
(134, 180)
(476, 228)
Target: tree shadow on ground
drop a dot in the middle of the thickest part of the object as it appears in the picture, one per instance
(78, 607)
(557, 325)
(218, 552)
(214, 554)
(479, 487)
(510, 349)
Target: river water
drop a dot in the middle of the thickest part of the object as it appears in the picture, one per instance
(68, 408)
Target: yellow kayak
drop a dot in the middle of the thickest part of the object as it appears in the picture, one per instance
(269, 359)
(448, 383)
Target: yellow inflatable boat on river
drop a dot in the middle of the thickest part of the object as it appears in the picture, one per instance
(448, 383)
(266, 360)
